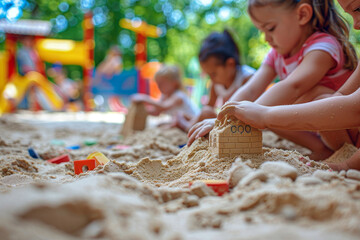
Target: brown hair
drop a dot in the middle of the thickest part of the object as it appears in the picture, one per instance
(325, 19)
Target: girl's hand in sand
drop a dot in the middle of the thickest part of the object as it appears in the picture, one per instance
(200, 129)
(248, 112)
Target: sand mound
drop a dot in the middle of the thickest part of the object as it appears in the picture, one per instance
(144, 193)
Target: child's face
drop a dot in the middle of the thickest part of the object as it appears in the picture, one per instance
(165, 85)
(223, 74)
(281, 28)
(352, 7)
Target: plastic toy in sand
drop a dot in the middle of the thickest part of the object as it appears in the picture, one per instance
(60, 159)
(73, 147)
(92, 161)
(121, 147)
(90, 142)
(57, 142)
(33, 153)
(82, 166)
(101, 158)
(220, 187)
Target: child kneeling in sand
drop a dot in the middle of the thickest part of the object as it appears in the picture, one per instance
(173, 100)
(338, 114)
(311, 54)
(220, 59)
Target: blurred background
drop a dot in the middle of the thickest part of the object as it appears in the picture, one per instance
(180, 28)
(183, 23)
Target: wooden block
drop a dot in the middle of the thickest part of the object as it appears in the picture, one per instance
(256, 144)
(135, 119)
(255, 150)
(223, 139)
(236, 139)
(256, 139)
(245, 150)
(243, 139)
(230, 145)
(242, 145)
(233, 139)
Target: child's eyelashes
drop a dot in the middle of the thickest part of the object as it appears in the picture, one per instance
(271, 29)
(357, 9)
(267, 29)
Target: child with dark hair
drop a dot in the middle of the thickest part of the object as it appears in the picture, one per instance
(220, 58)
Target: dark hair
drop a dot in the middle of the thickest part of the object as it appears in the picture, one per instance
(221, 46)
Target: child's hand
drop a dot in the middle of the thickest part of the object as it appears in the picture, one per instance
(152, 110)
(248, 112)
(200, 129)
(338, 166)
(139, 97)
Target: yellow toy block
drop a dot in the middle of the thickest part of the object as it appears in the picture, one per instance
(99, 157)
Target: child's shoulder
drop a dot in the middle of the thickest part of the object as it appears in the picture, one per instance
(321, 37)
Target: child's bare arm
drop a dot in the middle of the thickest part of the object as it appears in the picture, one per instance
(352, 84)
(256, 84)
(340, 112)
(333, 113)
(308, 74)
(212, 97)
(164, 105)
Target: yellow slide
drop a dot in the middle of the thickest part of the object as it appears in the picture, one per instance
(17, 88)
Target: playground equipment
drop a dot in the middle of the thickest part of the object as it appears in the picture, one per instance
(143, 30)
(17, 88)
(50, 50)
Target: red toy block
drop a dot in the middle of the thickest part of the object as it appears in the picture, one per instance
(60, 159)
(218, 186)
(81, 166)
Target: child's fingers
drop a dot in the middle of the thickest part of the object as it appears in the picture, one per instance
(193, 128)
(227, 104)
(203, 129)
(193, 136)
(227, 110)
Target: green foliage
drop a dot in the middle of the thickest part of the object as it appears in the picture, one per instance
(186, 24)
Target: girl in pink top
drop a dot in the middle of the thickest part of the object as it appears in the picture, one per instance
(311, 54)
(339, 114)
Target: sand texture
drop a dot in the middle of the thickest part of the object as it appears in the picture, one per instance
(144, 193)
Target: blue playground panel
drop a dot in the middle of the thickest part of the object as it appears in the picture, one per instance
(123, 84)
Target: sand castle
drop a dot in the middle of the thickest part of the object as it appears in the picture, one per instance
(135, 119)
(231, 137)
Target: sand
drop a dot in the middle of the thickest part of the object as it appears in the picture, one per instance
(144, 193)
